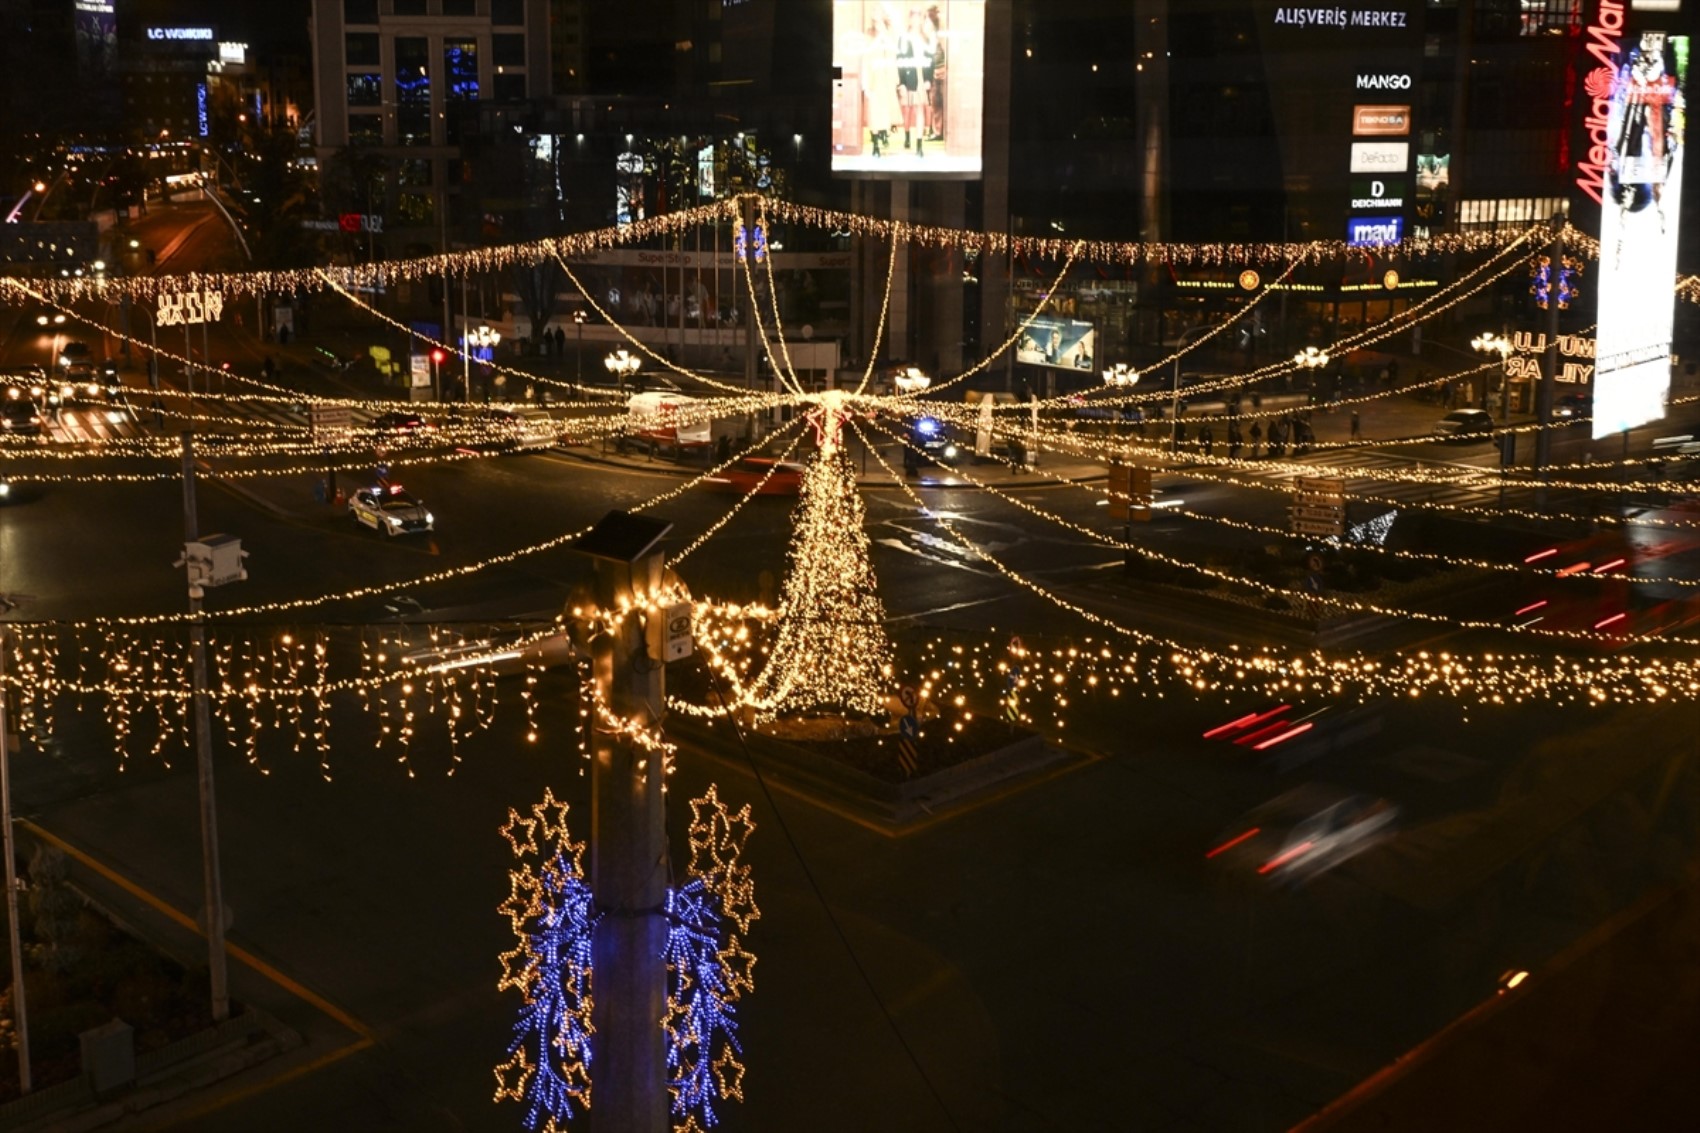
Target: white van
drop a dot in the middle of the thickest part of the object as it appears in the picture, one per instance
(656, 420)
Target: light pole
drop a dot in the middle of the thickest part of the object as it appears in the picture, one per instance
(483, 336)
(622, 365)
(911, 380)
(578, 352)
(1490, 343)
(20, 1017)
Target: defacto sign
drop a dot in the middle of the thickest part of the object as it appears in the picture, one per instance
(203, 34)
(1381, 157)
(1378, 193)
(1365, 231)
(1381, 121)
(1390, 81)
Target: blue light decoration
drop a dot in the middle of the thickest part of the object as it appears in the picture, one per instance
(752, 243)
(553, 914)
(201, 124)
(708, 970)
(1566, 285)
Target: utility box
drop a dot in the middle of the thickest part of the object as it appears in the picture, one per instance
(109, 1057)
(214, 560)
(677, 622)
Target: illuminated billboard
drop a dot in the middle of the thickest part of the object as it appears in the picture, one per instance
(908, 100)
(1637, 100)
(1063, 344)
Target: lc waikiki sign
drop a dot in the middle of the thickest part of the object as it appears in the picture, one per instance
(1604, 41)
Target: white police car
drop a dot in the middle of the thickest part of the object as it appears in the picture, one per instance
(388, 508)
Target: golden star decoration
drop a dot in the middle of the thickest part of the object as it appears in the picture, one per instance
(519, 970)
(739, 967)
(514, 828)
(524, 888)
(729, 1075)
(519, 1067)
(551, 816)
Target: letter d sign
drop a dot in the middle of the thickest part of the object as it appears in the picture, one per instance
(1378, 189)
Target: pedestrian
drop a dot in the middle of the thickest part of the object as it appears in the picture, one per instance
(1180, 434)
(1446, 397)
(267, 368)
(1256, 439)
(1357, 427)
(1206, 439)
(1234, 439)
(560, 343)
(319, 491)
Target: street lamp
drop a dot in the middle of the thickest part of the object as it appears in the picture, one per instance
(622, 365)
(1488, 342)
(911, 380)
(1310, 358)
(1120, 376)
(484, 337)
(578, 352)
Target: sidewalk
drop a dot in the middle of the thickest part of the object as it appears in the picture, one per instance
(1605, 1037)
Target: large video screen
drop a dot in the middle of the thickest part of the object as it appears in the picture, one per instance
(1640, 204)
(1065, 344)
(909, 96)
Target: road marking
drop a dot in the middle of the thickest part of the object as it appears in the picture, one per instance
(182, 919)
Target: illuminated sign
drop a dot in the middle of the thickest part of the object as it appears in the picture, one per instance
(100, 7)
(1392, 81)
(1339, 18)
(1604, 40)
(200, 34)
(1640, 189)
(1381, 157)
(179, 308)
(1381, 121)
(1367, 231)
(1249, 279)
(234, 54)
(1378, 193)
(908, 99)
(201, 109)
(1063, 344)
(1434, 174)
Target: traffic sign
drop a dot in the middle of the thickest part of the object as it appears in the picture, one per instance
(329, 418)
(1312, 527)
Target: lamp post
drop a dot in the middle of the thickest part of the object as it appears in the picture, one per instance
(1489, 342)
(20, 1016)
(578, 351)
(622, 365)
(911, 380)
(1120, 376)
(484, 337)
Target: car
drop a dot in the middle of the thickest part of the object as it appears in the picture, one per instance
(1303, 833)
(389, 509)
(1465, 425)
(19, 416)
(759, 475)
(929, 442)
(402, 422)
(522, 430)
(1574, 405)
(73, 352)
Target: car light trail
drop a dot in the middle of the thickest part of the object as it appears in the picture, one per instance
(1246, 721)
(1282, 859)
(1284, 736)
(1530, 608)
(1232, 842)
(1603, 567)
(1539, 555)
(1602, 624)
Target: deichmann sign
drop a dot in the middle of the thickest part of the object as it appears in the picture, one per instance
(1378, 193)
(1381, 121)
(1381, 157)
(1366, 231)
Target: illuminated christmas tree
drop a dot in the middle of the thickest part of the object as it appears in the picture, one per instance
(830, 651)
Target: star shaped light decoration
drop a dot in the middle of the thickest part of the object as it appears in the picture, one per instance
(550, 909)
(704, 917)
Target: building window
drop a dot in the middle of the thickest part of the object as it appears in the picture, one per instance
(412, 91)
(509, 88)
(507, 50)
(360, 49)
(365, 130)
(460, 69)
(365, 88)
(1551, 17)
(415, 209)
(410, 7)
(460, 7)
(413, 171)
(507, 13)
(359, 11)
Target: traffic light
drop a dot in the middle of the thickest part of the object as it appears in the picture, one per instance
(438, 356)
